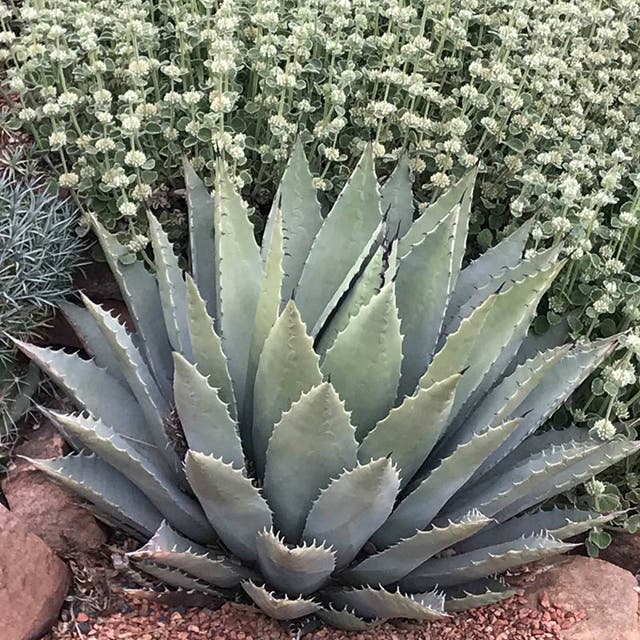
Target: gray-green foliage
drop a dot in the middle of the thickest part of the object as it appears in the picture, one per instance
(38, 250)
(347, 456)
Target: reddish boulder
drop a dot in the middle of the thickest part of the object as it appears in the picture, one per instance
(603, 593)
(624, 551)
(44, 508)
(33, 582)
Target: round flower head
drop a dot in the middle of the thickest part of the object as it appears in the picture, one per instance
(68, 179)
(621, 374)
(604, 429)
(57, 139)
(138, 243)
(128, 209)
(135, 158)
(595, 487)
(632, 342)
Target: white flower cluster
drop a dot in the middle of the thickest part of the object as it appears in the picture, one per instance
(632, 342)
(541, 95)
(604, 429)
(621, 374)
(549, 114)
(595, 487)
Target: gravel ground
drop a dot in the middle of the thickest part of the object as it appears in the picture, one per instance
(137, 617)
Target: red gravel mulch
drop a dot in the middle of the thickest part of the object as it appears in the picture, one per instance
(139, 618)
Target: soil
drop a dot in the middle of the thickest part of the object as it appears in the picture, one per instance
(141, 615)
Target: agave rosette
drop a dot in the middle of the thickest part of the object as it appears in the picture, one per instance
(358, 408)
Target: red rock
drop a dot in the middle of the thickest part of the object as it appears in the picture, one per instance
(43, 441)
(33, 582)
(603, 592)
(624, 551)
(44, 508)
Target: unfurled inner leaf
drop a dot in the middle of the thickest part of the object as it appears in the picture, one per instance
(364, 362)
(339, 243)
(288, 367)
(312, 444)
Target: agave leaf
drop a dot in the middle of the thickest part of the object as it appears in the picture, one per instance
(349, 282)
(397, 199)
(437, 212)
(92, 389)
(205, 418)
(313, 443)
(567, 478)
(533, 344)
(301, 219)
(509, 319)
(454, 354)
(170, 549)
(367, 284)
(560, 523)
(411, 430)
(397, 561)
(476, 594)
(339, 243)
(146, 471)
(345, 619)
(392, 261)
(136, 372)
(424, 502)
(288, 367)
(493, 495)
(466, 567)
(233, 505)
(280, 608)
(559, 381)
(370, 602)
(267, 312)
(365, 359)
(108, 490)
(535, 443)
(174, 577)
(508, 395)
(140, 291)
(207, 347)
(462, 227)
(92, 339)
(423, 285)
(200, 208)
(352, 507)
(540, 261)
(239, 270)
(172, 289)
(507, 254)
(293, 570)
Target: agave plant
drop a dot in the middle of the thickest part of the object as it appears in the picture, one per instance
(356, 410)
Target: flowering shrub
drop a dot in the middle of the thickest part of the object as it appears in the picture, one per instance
(541, 94)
